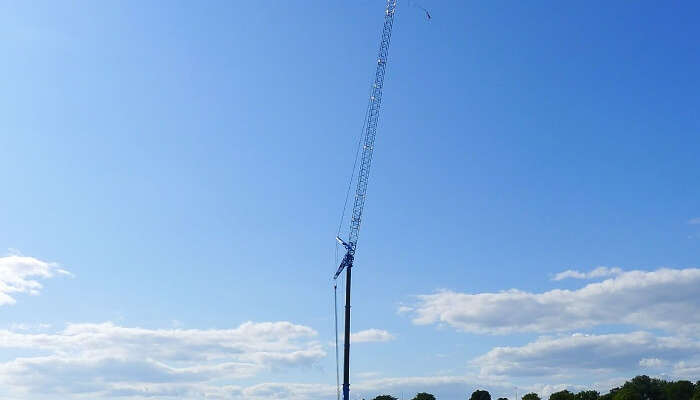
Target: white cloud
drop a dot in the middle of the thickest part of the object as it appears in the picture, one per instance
(412, 381)
(663, 299)
(652, 363)
(368, 374)
(105, 360)
(599, 272)
(301, 391)
(20, 274)
(575, 355)
(694, 221)
(544, 390)
(443, 386)
(29, 327)
(371, 335)
(689, 369)
(404, 309)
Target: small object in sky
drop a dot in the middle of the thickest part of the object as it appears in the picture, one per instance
(414, 4)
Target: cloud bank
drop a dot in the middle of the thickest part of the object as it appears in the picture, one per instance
(106, 360)
(568, 356)
(664, 299)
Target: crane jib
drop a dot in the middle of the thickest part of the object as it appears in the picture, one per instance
(375, 102)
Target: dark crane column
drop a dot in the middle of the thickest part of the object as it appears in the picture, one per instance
(346, 348)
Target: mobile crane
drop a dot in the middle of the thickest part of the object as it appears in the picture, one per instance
(369, 134)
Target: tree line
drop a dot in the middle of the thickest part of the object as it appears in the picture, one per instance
(640, 387)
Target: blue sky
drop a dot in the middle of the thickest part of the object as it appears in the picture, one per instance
(186, 164)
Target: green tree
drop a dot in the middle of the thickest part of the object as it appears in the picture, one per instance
(587, 395)
(480, 395)
(502, 398)
(424, 396)
(562, 395)
(696, 395)
(611, 394)
(531, 396)
(385, 397)
(646, 388)
(680, 390)
(627, 393)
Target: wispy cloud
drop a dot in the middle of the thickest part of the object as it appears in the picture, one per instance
(599, 272)
(444, 386)
(662, 299)
(21, 274)
(587, 354)
(107, 360)
(652, 363)
(694, 221)
(371, 335)
(448, 386)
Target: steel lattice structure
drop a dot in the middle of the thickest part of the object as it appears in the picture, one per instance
(375, 102)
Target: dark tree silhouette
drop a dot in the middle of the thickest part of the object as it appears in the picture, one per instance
(646, 388)
(680, 390)
(610, 394)
(643, 387)
(481, 395)
(531, 396)
(627, 393)
(640, 387)
(562, 395)
(587, 395)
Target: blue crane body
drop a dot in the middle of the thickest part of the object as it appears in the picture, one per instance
(370, 133)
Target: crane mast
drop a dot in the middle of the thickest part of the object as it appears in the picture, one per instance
(375, 102)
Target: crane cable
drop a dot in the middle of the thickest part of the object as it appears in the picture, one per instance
(352, 175)
(341, 278)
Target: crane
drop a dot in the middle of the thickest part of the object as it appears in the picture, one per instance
(369, 134)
